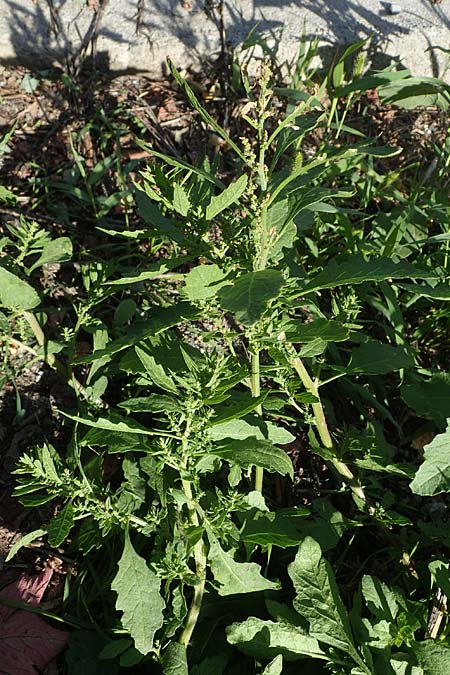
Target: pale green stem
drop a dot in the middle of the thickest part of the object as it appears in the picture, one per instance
(255, 384)
(322, 428)
(200, 568)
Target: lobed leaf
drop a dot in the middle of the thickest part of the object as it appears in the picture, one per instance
(433, 476)
(261, 639)
(138, 597)
(234, 577)
(318, 600)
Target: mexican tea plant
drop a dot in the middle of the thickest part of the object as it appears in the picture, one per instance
(226, 346)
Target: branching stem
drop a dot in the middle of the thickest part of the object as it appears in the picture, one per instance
(322, 428)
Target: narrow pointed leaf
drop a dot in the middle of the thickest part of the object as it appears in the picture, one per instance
(24, 541)
(204, 114)
(355, 270)
(60, 526)
(229, 196)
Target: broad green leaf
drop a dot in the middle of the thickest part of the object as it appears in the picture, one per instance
(314, 348)
(275, 667)
(250, 294)
(56, 251)
(380, 600)
(115, 648)
(261, 639)
(355, 270)
(116, 423)
(280, 220)
(29, 83)
(254, 452)
(229, 196)
(203, 282)
(414, 91)
(59, 528)
(234, 577)
(6, 196)
(24, 541)
(433, 657)
(153, 403)
(324, 329)
(327, 526)
(376, 358)
(240, 404)
(402, 664)
(440, 574)
(138, 597)
(181, 202)
(429, 399)
(275, 528)
(318, 600)
(433, 476)
(241, 429)
(16, 293)
(174, 660)
(212, 664)
(130, 658)
(123, 313)
(117, 441)
(156, 372)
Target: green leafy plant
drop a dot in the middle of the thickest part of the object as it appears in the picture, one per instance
(271, 317)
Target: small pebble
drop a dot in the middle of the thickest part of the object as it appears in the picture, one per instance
(394, 9)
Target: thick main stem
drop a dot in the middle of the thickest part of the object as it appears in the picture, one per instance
(322, 428)
(255, 384)
(200, 569)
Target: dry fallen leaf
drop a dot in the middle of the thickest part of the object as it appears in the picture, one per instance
(27, 642)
